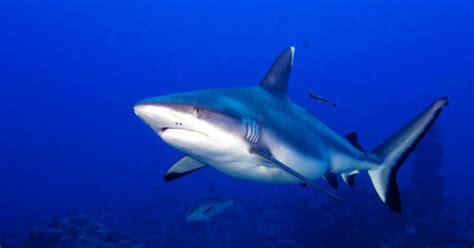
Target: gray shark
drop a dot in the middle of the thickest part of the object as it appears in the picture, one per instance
(206, 208)
(258, 133)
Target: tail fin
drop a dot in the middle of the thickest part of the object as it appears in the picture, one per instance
(395, 150)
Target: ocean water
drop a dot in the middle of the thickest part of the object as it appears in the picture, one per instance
(75, 157)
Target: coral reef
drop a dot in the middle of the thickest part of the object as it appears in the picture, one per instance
(80, 232)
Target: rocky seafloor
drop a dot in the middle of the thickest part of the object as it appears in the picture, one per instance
(289, 222)
(78, 232)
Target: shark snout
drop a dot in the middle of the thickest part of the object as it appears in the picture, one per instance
(142, 110)
(155, 115)
(159, 117)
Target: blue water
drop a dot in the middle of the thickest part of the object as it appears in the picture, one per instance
(71, 71)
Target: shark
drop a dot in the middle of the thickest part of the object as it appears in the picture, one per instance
(204, 209)
(258, 133)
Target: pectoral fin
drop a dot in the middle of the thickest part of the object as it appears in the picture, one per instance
(266, 155)
(183, 167)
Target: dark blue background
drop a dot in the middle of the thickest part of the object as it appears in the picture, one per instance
(70, 72)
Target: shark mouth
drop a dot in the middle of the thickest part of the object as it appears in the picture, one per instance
(182, 139)
(163, 129)
(179, 131)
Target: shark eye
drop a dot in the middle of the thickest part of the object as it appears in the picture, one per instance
(196, 112)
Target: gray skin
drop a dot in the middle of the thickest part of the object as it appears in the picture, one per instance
(233, 120)
(258, 133)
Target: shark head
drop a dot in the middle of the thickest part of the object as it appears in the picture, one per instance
(218, 126)
(202, 124)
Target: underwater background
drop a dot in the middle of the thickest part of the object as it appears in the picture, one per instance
(79, 169)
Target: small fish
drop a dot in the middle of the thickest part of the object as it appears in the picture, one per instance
(316, 97)
(205, 208)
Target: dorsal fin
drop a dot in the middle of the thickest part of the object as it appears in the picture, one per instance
(354, 140)
(276, 79)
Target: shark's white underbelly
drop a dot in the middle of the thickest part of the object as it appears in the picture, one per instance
(243, 164)
(231, 155)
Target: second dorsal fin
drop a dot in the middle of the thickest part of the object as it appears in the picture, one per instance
(276, 79)
(352, 137)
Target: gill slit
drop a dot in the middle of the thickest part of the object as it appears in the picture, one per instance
(253, 131)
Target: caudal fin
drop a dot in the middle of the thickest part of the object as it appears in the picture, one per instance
(395, 150)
